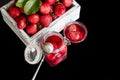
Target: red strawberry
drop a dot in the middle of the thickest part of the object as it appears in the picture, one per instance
(59, 55)
(55, 58)
(51, 11)
(21, 24)
(14, 11)
(45, 8)
(31, 29)
(56, 0)
(50, 57)
(74, 36)
(51, 2)
(21, 10)
(45, 20)
(59, 10)
(55, 39)
(33, 18)
(67, 3)
(73, 27)
(20, 18)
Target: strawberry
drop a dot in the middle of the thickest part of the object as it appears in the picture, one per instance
(55, 39)
(13, 11)
(21, 10)
(73, 27)
(74, 36)
(62, 52)
(50, 57)
(56, 0)
(45, 20)
(55, 58)
(33, 18)
(51, 2)
(20, 18)
(21, 24)
(67, 3)
(51, 11)
(45, 8)
(59, 55)
(31, 29)
(59, 10)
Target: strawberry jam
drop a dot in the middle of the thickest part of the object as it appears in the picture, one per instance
(55, 48)
(75, 32)
(55, 58)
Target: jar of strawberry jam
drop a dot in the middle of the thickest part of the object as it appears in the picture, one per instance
(75, 32)
(54, 47)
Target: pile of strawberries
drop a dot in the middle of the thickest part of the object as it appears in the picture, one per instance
(48, 11)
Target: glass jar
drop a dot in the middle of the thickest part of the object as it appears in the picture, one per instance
(54, 48)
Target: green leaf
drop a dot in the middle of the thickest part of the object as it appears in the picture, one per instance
(32, 6)
(21, 3)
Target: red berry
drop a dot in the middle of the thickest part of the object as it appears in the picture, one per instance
(45, 20)
(55, 39)
(51, 2)
(57, 61)
(21, 10)
(33, 18)
(55, 58)
(59, 10)
(67, 3)
(14, 11)
(21, 24)
(20, 18)
(73, 27)
(45, 8)
(50, 57)
(74, 36)
(51, 10)
(56, 0)
(59, 55)
(31, 29)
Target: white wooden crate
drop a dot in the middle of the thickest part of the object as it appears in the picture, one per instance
(57, 25)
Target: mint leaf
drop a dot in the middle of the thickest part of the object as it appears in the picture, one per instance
(21, 3)
(32, 6)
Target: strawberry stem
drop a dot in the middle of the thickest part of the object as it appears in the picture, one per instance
(39, 25)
